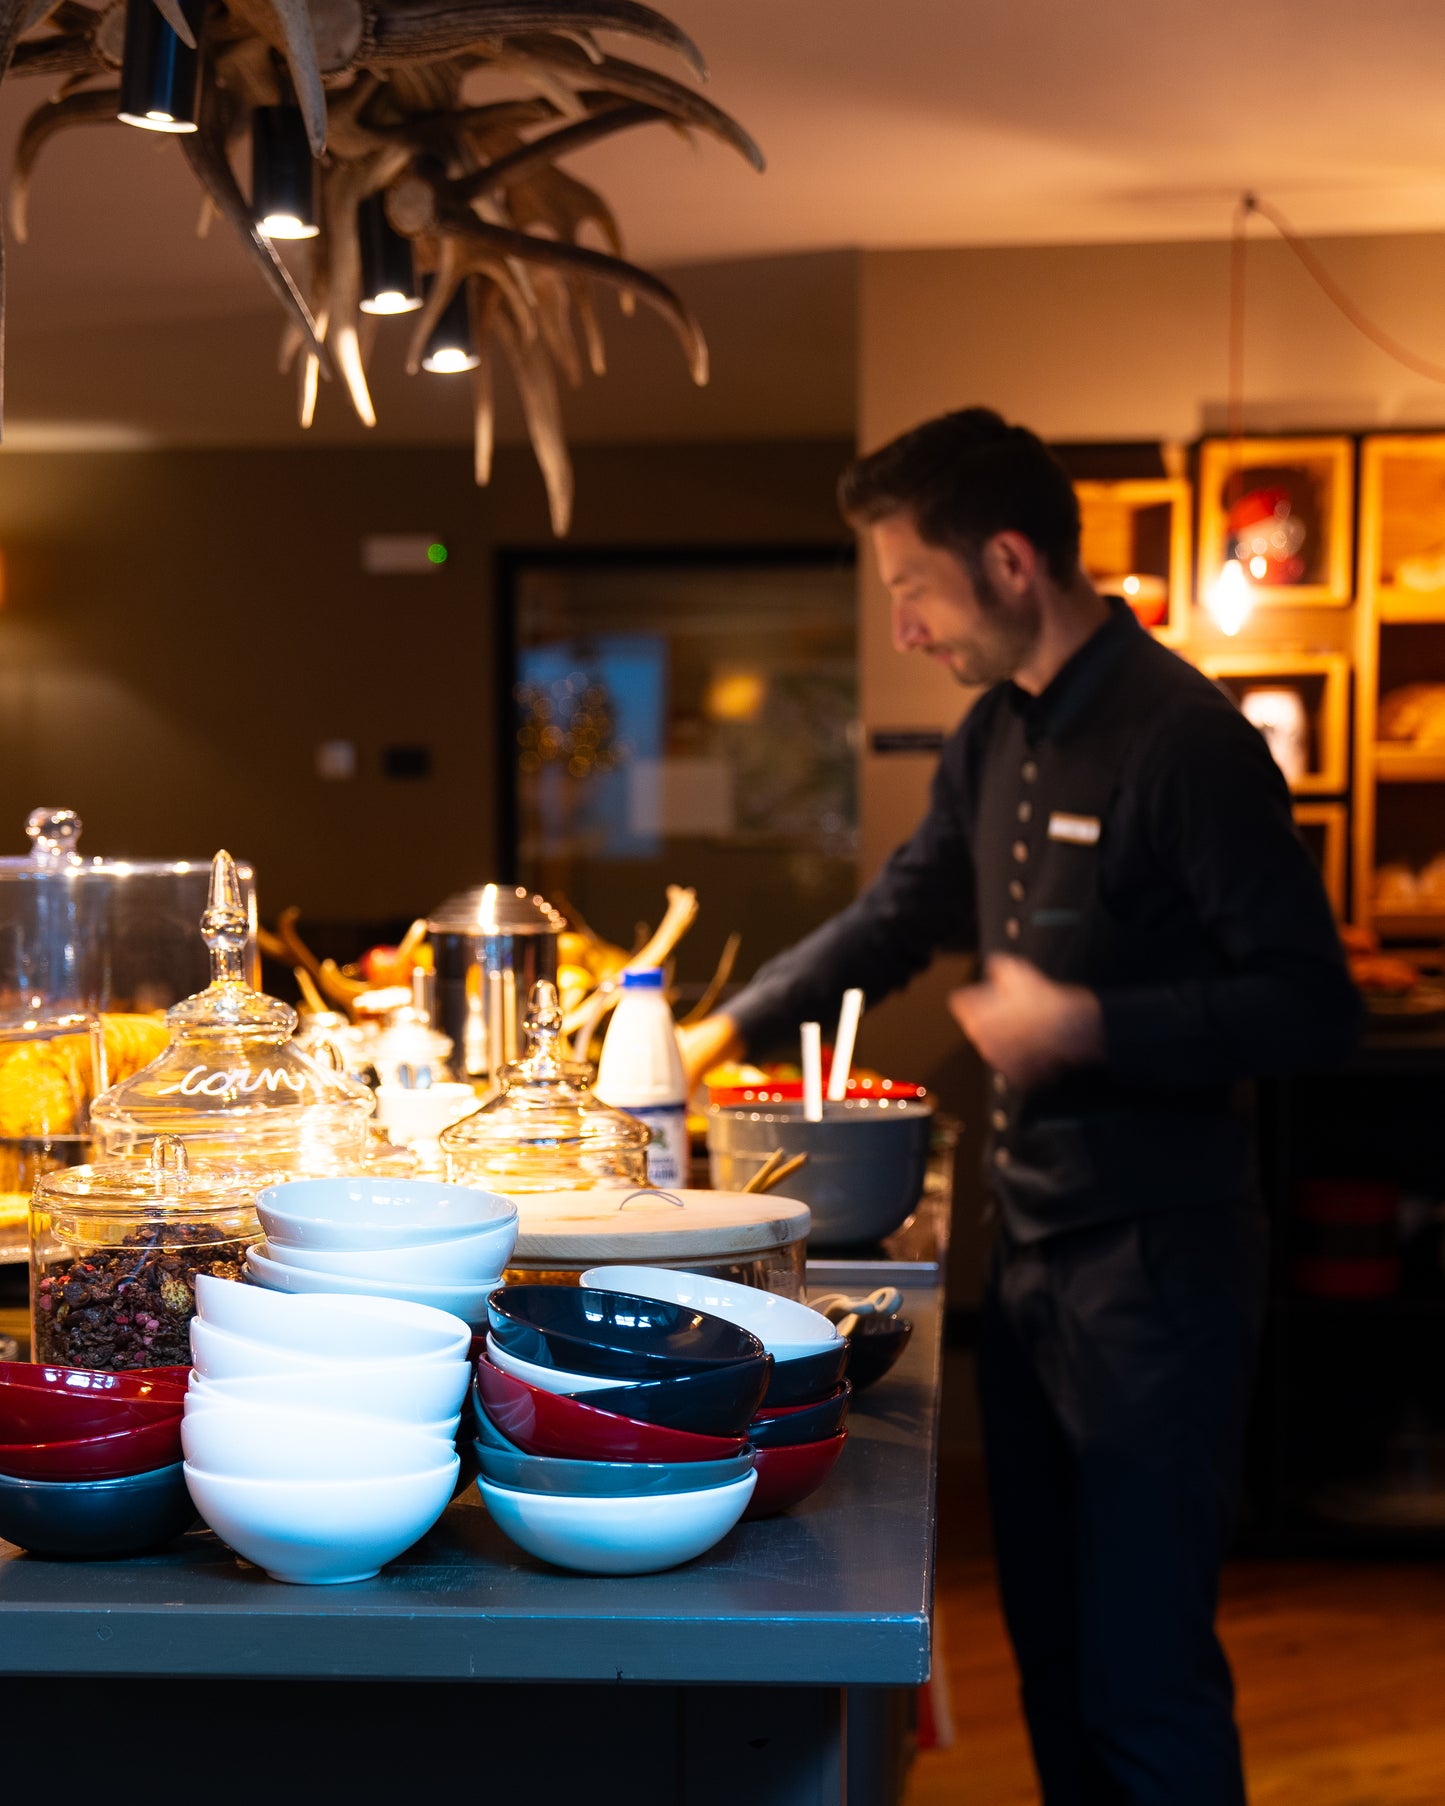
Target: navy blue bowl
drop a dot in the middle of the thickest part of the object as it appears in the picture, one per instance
(874, 1346)
(717, 1403)
(607, 1479)
(96, 1519)
(807, 1379)
(802, 1423)
(581, 1329)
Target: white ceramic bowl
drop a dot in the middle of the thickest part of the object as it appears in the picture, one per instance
(347, 1328)
(784, 1327)
(414, 1392)
(212, 1395)
(322, 1532)
(468, 1303)
(618, 1536)
(470, 1260)
(550, 1379)
(252, 1444)
(357, 1213)
(410, 1115)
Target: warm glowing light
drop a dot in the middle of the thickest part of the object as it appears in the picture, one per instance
(450, 360)
(1130, 586)
(736, 695)
(287, 225)
(1231, 600)
(156, 121)
(391, 301)
(1259, 566)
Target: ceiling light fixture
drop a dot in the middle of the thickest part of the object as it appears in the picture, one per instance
(283, 176)
(450, 350)
(388, 278)
(158, 72)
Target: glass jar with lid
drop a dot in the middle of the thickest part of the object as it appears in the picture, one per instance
(545, 1129)
(115, 1250)
(232, 1084)
(89, 948)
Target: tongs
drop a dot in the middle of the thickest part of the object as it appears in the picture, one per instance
(774, 1170)
(844, 1312)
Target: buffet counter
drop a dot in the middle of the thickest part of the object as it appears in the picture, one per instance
(746, 1667)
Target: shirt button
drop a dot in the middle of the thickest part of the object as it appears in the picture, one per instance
(1026, 810)
(1016, 889)
(1029, 771)
(1021, 851)
(999, 1119)
(1011, 928)
(1000, 1083)
(1002, 1157)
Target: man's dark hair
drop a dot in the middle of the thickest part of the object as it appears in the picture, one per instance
(963, 478)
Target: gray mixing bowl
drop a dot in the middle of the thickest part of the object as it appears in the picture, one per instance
(866, 1160)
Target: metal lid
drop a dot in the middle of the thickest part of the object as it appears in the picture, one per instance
(495, 909)
(651, 1226)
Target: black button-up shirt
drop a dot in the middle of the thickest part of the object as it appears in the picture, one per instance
(1126, 830)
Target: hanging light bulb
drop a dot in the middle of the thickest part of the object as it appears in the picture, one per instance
(388, 280)
(283, 176)
(1231, 600)
(158, 72)
(449, 350)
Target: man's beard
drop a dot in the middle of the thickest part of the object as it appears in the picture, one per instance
(1008, 635)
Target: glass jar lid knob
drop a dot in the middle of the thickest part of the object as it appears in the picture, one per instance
(53, 836)
(229, 1003)
(170, 1165)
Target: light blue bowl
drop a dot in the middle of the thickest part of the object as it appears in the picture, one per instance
(606, 1479)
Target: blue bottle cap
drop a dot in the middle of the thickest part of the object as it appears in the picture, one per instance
(645, 979)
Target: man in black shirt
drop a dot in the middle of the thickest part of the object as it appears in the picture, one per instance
(1113, 839)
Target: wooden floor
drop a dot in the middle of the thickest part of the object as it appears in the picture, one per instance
(1340, 1669)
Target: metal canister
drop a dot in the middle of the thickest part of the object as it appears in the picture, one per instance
(490, 946)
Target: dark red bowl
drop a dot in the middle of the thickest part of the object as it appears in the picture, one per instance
(39, 1403)
(790, 1091)
(806, 1379)
(787, 1476)
(801, 1423)
(110, 1457)
(550, 1423)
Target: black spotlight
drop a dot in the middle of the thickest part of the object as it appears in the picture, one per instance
(283, 176)
(158, 72)
(388, 281)
(449, 350)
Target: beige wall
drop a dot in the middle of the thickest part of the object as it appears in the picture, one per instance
(180, 629)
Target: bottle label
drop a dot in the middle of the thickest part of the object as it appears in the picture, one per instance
(669, 1158)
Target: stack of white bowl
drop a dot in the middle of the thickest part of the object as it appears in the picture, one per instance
(415, 1239)
(320, 1433)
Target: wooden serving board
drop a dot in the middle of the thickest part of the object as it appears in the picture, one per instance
(640, 1226)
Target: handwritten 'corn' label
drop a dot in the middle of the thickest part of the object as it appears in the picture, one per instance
(1078, 830)
(214, 1081)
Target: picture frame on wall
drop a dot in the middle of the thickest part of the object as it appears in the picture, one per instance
(1402, 525)
(1300, 702)
(1323, 829)
(1135, 543)
(1283, 507)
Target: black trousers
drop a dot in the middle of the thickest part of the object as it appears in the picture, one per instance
(1115, 1371)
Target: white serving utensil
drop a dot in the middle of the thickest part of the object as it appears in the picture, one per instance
(843, 1041)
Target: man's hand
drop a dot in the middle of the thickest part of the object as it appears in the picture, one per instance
(1026, 1026)
(706, 1044)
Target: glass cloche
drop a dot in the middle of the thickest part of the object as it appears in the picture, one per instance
(545, 1130)
(232, 1084)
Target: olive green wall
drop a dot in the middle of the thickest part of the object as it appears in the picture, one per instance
(181, 628)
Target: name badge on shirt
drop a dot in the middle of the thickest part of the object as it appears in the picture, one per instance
(1079, 830)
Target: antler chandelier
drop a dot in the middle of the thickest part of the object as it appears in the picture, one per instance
(376, 134)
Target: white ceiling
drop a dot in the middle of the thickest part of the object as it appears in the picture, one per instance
(910, 123)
